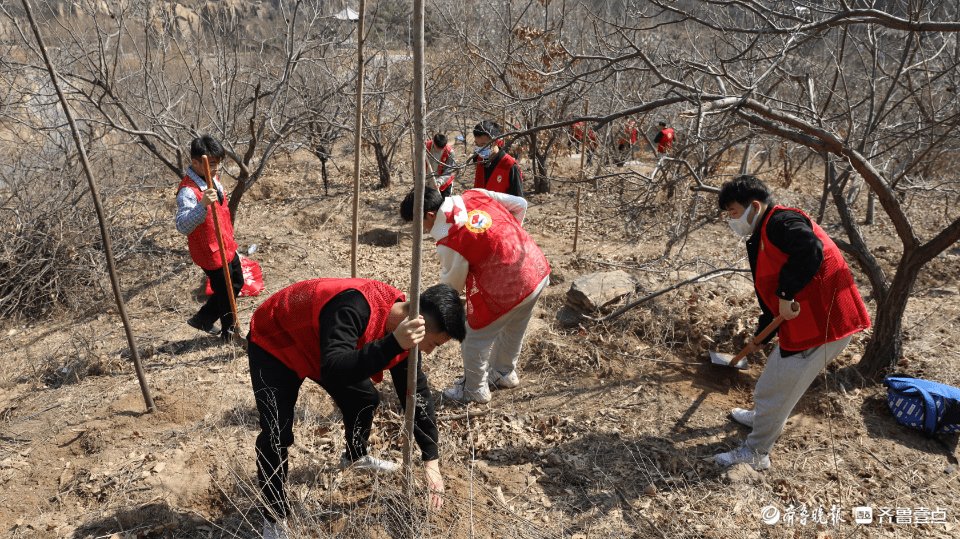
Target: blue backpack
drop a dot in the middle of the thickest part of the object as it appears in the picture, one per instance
(921, 404)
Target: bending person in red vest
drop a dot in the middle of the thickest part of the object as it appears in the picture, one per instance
(441, 163)
(497, 171)
(792, 260)
(342, 334)
(197, 199)
(484, 250)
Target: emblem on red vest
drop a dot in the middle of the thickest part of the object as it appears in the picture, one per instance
(478, 221)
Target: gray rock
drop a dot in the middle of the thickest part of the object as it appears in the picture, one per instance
(740, 473)
(592, 292)
(569, 317)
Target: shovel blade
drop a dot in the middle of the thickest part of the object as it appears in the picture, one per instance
(726, 359)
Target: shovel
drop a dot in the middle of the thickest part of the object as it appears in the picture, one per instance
(739, 361)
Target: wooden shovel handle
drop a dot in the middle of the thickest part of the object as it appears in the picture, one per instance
(224, 261)
(763, 334)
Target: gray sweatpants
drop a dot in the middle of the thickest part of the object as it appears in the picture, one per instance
(497, 346)
(782, 383)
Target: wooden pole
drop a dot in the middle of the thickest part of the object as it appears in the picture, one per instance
(576, 226)
(95, 194)
(419, 181)
(223, 259)
(358, 129)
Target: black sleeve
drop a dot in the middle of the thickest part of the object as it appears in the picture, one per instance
(658, 138)
(792, 233)
(425, 430)
(516, 182)
(343, 321)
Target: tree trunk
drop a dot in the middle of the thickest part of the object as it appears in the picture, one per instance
(541, 183)
(235, 196)
(383, 166)
(885, 346)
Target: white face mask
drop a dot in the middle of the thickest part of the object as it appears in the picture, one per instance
(742, 226)
(483, 152)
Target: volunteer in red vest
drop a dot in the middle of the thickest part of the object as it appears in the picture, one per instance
(343, 334)
(441, 163)
(627, 141)
(497, 170)
(664, 139)
(485, 252)
(197, 199)
(792, 260)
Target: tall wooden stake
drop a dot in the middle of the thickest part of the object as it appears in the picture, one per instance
(358, 129)
(108, 249)
(419, 181)
(225, 263)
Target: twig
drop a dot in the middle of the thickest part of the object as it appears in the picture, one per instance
(458, 417)
(48, 408)
(629, 306)
(623, 498)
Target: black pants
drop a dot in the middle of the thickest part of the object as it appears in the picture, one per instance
(218, 304)
(276, 387)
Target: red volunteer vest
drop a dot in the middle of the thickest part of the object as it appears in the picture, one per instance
(505, 263)
(288, 324)
(499, 180)
(443, 161)
(830, 306)
(666, 142)
(204, 248)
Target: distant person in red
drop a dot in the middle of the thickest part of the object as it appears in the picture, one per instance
(197, 198)
(343, 334)
(497, 171)
(441, 163)
(627, 141)
(664, 139)
(576, 130)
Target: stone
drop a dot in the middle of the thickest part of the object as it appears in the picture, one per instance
(592, 292)
(569, 317)
(740, 473)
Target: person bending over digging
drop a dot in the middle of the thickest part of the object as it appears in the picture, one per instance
(792, 260)
(196, 198)
(496, 169)
(484, 250)
(441, 163)
(342, 334)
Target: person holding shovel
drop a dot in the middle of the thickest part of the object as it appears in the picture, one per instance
(484, 250)
(792, 260)
(343, 334)
(197, 198)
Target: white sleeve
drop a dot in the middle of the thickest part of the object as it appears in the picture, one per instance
(515, 205)
(453, 269)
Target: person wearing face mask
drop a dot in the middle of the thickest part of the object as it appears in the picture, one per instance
(497, 171)
(792, 260)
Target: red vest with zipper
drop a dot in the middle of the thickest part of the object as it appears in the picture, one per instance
(288, 324)
(443, 161)
(830, 306)
(666, 141)
(499, 180)
(506, 265)
(204, 248)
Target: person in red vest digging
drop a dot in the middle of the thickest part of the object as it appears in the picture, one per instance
(484, 250)
(664, 139)
(497, 170)
(792, 260)
(343, 334)
(627, 141)
(197, 199)
(441, 163)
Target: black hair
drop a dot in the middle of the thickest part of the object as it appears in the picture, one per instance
(487, 128)
(743, 190)
(441, 304)
(439, 141)
(206, 145)
(663, 124)
(432, 199)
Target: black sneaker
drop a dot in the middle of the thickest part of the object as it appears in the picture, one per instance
(195, 322)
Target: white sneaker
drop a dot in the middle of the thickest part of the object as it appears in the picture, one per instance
(744, 453)
(368, 463)
(460, 394)
(273, 530)
(504, 381)
(744, 417)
